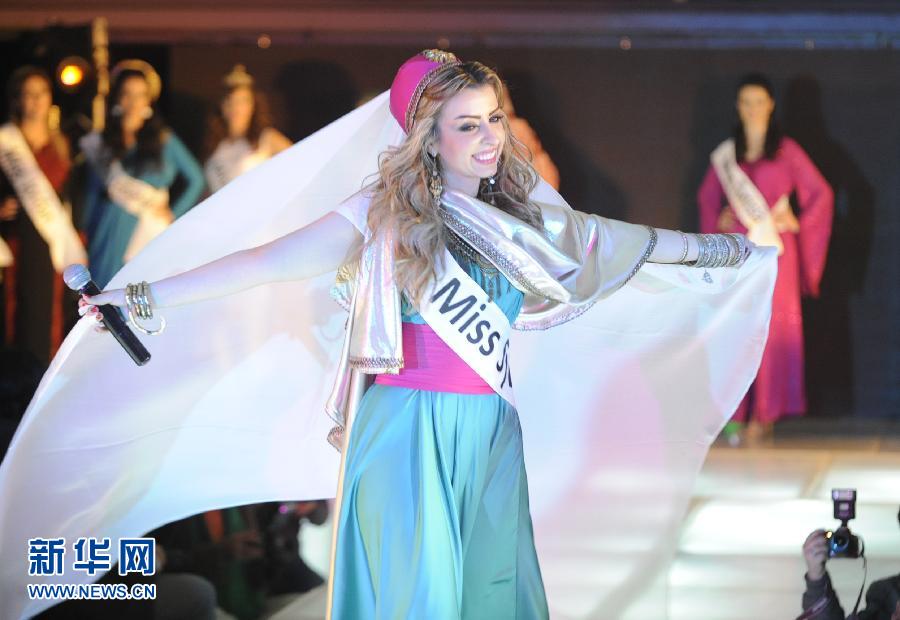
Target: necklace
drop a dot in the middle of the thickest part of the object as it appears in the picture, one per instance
(470, 254)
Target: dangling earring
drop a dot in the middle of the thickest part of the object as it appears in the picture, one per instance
(491, 186)
(435, 185)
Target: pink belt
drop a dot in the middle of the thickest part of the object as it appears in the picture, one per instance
(432, 365)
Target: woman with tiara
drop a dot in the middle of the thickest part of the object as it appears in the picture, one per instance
(240, 135)
(35, 222)
(134, 162)
(747, 189)
(453, 245)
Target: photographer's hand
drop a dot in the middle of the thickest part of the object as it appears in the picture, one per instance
(815, 552)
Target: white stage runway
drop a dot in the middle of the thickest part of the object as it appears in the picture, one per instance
(739, 552)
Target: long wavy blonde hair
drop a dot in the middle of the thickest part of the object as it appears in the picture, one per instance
(400, 197)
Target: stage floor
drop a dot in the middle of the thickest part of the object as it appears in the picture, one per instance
(739, 553)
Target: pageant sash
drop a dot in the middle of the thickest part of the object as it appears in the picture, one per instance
(224, 164)
(230, 160)
(134, 196)
(52, 220)
(141, 200)
(748, 203)
(465, 318)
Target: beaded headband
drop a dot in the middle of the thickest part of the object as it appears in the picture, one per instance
(412, 78)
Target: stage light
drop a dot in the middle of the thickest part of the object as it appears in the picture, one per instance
(71, 72)
(71, 75)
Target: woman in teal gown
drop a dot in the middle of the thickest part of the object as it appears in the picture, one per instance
(148, 151)
(434, 521)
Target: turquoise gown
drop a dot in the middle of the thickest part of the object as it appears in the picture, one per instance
(434, 520)
(109, 227)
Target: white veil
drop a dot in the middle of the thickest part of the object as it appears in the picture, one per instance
(618, 406)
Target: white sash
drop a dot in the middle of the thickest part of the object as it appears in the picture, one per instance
(134, 196)
(230, 160)
(52, 220)
(748, 203)
(464, 317)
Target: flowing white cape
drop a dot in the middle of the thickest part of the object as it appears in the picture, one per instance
(618, 406)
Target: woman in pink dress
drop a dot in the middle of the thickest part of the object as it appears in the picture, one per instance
(747, 189)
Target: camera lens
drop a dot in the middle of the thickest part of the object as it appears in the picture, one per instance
(839, 542)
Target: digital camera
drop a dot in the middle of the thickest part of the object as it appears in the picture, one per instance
(842, 543)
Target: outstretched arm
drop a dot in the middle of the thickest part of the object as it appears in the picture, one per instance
(673, 246)
(315, 249)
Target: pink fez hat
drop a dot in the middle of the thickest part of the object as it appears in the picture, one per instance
(412, 79)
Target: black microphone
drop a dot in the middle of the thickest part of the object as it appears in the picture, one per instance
(78, 278)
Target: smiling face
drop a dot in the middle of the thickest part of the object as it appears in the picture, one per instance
(755, 107)
(471, 135)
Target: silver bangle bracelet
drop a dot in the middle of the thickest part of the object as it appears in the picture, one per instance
(700, 251)
(146, 308)
(684, 249)
(722, 251)
(735, 250)
(139, 307)
(696, 261)
(744, 249)
(705, 251)
(129, 295)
